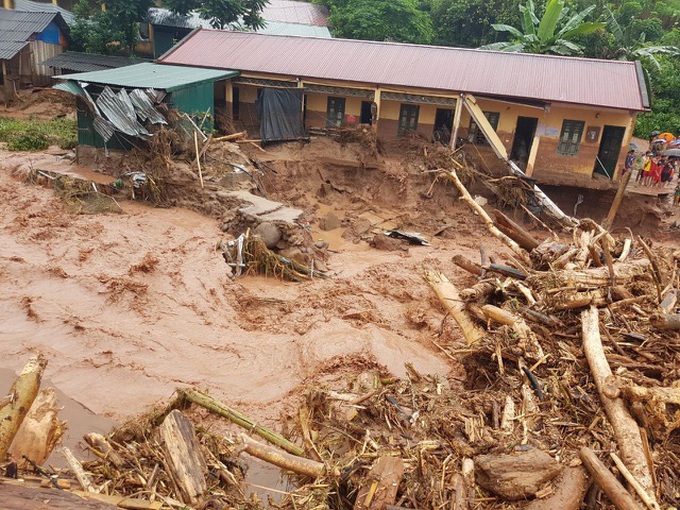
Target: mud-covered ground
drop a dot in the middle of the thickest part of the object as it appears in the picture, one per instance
(129, 306)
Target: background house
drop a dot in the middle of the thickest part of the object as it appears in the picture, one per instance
(26, 40)
(282, 17)
(76, 62)
(560, 117)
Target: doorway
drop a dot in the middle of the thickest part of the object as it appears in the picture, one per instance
(335, 112)
(524, 139)
(610, 148)
(443, 125)
(366, 112)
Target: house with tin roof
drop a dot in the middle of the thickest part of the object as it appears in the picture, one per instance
(26, 40)
(164, 28)
(564, 119)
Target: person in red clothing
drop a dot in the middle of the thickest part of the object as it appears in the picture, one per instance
(657, 166)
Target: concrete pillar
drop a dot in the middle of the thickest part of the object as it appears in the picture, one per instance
(8, 4)
(229, 98)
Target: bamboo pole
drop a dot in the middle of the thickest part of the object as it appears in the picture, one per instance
(247, 423)
(467, 198)
(450, 298)
(616, 492)
(198, 159)
(230, 137)
(626, 431)
(23, 393)
(78, 471)
(283, 460)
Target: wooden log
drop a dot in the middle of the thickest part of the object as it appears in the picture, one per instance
(23, 393)
(527, 340)
(626, 431)
(665, 321)
(609, 220)
(669, 301)
(589, 278)
(20, 497)
(239, 419)
(570, 489)
(649, 502)
(616, 492)
(381, 485)
(479, 210)
(40, 431)
(227, 138)
(284, 460)
(450, 299)
(518, 475)
(101, 444)
(507, 271)
(571, 299)
(478, 292)
(183, 456)
(467, 264)
(77, 469)
(514, 231)
(198, 159)
(459, 500)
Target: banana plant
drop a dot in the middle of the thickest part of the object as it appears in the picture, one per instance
(543, 35)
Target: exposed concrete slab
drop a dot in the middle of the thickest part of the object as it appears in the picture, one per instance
(264, 209)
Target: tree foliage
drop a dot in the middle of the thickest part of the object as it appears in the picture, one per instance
(223, 13)
(553, 33)
(468, 23)
(379, 20)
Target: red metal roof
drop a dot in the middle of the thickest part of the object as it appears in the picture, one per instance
(289, 11)
(602, 83)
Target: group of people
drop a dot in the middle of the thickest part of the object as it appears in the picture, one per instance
(653, 169)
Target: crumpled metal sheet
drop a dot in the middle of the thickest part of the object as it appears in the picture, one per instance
(119, 110)
(144, 106)
(105, 128)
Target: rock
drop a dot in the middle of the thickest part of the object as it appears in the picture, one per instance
(269, 233)
(294, 254)
(322, 245)
(382, 242)
(519, 475)
(320, 265)
(329, 222)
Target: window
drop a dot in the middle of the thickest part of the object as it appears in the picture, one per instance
(144, 31)
(570, 138)
(475, 134)
(335, 111)
(408, 118)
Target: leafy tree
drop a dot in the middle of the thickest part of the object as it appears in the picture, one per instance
(379, 20)
(223, 13)
(95, 31)
(542, 35)
(126, 14)
(468, 23)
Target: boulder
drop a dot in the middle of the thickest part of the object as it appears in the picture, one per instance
(329, 222)
(269, 233)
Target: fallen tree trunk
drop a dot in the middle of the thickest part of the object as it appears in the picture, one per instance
(294, 463)
(23, 393)
(20, 497)
(514, 231)
(626, 431)
(616, 492)
(247, 423)
(589, 278)
(449, 297)
(665, 322)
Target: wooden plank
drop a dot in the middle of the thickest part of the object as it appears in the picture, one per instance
(183, 455)
(380, 489)
(18, 497)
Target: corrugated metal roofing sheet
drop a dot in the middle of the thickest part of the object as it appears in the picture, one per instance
(85, 62)
(604, 83)
(166, 18)
(150, 75)
(10, 48)
(289, 11)
(30, 6)
(20, 26)
(280, 28)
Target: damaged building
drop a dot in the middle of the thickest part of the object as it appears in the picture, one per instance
(115, 105)
(563, 119)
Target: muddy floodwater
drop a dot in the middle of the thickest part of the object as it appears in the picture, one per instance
(127, 307)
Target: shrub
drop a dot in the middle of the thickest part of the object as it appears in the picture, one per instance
(31, 140)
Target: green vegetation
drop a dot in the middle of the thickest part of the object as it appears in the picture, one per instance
(35, 135)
